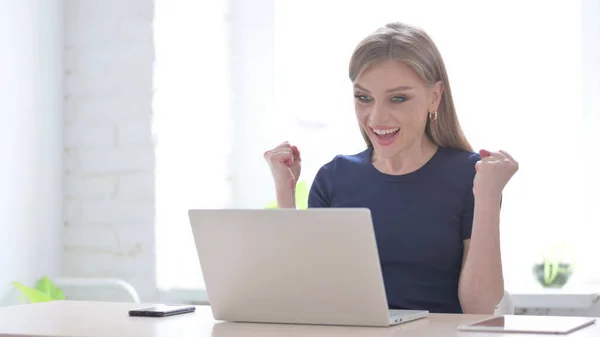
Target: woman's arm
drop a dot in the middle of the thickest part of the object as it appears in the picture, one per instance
(481, 284)
(286, 197)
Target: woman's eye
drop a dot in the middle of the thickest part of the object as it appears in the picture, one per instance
(363, 98)
(398, 99)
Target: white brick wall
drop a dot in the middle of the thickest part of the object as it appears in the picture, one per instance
(109, 158)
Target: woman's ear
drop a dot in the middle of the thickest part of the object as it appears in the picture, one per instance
(436, 95)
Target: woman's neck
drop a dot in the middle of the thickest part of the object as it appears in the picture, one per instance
(408, 160)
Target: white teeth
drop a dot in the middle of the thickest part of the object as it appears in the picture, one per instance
(385, 132)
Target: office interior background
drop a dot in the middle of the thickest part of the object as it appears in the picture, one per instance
(119, 116)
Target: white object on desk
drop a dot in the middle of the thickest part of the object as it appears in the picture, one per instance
(530, 324)
(506, 305)
(570, 297)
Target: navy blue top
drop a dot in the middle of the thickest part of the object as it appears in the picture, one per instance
(420, 221)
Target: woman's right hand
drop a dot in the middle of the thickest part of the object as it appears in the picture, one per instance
(285, 164)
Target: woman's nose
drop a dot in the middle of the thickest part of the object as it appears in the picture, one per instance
(379, 114)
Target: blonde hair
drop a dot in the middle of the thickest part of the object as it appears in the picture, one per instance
(413, 47)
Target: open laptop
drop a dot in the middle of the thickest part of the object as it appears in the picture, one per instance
(315, 266)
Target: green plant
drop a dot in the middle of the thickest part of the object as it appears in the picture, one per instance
(44, 291)
(302, 190)
(555, 269)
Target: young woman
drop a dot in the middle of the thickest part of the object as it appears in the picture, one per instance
(435, 203)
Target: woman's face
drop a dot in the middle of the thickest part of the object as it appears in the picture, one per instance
(392, 105)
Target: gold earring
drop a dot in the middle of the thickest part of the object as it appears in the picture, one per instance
(433, 115)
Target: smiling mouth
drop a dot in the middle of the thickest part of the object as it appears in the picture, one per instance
(385, 133)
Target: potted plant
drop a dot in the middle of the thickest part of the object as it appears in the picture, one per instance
(555, 269)
(44, 291)
(302, 190)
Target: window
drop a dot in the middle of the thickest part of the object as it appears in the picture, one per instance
(519, 83)
(192, 127)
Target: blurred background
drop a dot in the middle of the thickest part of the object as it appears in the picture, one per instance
(116, 117)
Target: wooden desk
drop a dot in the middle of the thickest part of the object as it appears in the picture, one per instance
(100, 319)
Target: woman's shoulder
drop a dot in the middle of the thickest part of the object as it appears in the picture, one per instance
(458, 160)
(448, 160)
(344, 160)
(460, 156)
(346, 163)
(342, 169)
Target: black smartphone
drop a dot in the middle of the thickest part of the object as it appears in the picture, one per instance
(162, 310)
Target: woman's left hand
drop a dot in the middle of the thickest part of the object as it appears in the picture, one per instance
(494, 170)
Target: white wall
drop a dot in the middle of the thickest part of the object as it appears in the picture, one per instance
(591, 104)
(591, 99)
(30, 141)
(109, 152)
(110, 164)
